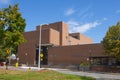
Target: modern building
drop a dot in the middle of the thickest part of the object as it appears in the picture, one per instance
(59, 47)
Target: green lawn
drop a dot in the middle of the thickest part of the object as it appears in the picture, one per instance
(38, 75)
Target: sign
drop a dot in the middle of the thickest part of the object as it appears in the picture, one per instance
(41, 55)
(8, 51)
(41, 59)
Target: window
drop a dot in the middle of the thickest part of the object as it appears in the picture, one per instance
(76, 37)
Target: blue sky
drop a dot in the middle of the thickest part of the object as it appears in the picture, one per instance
(90, 17)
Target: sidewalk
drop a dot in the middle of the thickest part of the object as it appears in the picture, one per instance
(98, 76)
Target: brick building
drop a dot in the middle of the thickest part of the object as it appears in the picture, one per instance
(52, 35)
(60, 47)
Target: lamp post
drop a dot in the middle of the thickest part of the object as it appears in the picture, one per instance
(39, 48)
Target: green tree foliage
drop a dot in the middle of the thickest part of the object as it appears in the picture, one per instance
(3, 54)
(111, 41)
(11, 27)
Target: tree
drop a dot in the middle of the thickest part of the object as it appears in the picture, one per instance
(3, 54)
(12, 25)
(111, 41)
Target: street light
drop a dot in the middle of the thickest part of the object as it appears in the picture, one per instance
(39, 48)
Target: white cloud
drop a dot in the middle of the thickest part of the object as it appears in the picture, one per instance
(4, 1)
(69, 12)
(73, 23)
(76, 27)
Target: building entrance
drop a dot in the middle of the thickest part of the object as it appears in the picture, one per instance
(43, 55)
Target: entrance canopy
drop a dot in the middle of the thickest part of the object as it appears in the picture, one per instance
(47, 45)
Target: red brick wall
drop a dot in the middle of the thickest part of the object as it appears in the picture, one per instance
(73, 54)
(29, 48)
(54, 37)
(82, 39)
(64, 36)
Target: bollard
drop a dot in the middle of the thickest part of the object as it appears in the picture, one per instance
(16, 65)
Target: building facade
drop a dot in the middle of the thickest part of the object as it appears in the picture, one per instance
(59, 47)
(54, 34)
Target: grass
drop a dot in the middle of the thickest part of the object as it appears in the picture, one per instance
(38, 75)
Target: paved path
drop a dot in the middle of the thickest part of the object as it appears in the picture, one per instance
(98, 76)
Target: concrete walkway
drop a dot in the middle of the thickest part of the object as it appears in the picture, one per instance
(98, 76)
